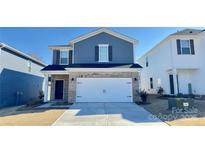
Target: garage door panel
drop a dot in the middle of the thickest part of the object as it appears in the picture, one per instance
(104, 90)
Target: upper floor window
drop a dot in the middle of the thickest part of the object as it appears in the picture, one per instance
(103, 53)
(185, 47)
(147, 63)
(63, 57)
(29, 65)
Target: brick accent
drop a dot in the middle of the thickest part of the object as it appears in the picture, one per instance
(70, 82)
(65, 86)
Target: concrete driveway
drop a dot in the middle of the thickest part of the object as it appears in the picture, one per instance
(106, 114)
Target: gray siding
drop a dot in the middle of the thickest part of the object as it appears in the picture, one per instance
(12, 82)
(56, 57)
(122, 51)
(21, 56)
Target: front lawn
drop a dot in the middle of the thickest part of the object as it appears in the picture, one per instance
(158, 107)
(29, 117)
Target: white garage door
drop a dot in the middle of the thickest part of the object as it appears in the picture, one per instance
(104, 90)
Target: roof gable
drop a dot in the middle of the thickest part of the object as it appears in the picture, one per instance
(174, 35)
(188, 32)
(105, 30)
(7, 48)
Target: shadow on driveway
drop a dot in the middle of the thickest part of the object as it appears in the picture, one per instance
(107, 114)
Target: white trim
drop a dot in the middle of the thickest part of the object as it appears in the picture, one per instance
(59, 48)
(55, 72)
(45, 88)
(67, 57)
(102, 69)
(103, 45)
(1, 65)
(121, 36)
(55, 88)
(181, 47)
(73, 54)
(69, 70)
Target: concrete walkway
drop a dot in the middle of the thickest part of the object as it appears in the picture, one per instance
(107, 114)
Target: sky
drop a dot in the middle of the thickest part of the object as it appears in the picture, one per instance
(35, 40)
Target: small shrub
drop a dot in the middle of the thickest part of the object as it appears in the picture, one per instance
(160, 91)
(180, 95)
(33, 102)
(191, 96)
(36, 101)
(41, 95)
(143, 95)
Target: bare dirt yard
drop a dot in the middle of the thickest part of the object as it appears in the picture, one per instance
(159, 107)
(29, 117)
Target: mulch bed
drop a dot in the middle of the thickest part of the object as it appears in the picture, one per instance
(143, 103)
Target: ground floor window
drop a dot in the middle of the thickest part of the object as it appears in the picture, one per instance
(151, 83)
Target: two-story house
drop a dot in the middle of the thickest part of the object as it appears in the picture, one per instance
(95, 67)
(20, 76)
(176, 64)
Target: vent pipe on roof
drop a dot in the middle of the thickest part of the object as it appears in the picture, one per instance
(2, 45)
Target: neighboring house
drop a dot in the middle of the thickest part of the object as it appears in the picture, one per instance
(20, 76)
(176, 64)
(96, 67)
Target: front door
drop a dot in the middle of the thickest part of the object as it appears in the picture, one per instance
(59, 89)
(171, 81)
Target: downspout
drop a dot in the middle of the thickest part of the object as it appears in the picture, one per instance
(1, 46)
(1, 66)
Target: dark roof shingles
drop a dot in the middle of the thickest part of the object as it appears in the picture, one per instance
(63, 67)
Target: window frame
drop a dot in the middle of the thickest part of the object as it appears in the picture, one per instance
(62, 57)
(182, 53)
(151, 83)
(99, 58)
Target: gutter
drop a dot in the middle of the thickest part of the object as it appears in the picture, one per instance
(2, 45)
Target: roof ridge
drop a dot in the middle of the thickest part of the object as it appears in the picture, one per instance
(187, 31)
(99, 30)
(4, 45)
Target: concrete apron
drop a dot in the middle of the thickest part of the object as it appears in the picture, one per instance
(107, 114)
